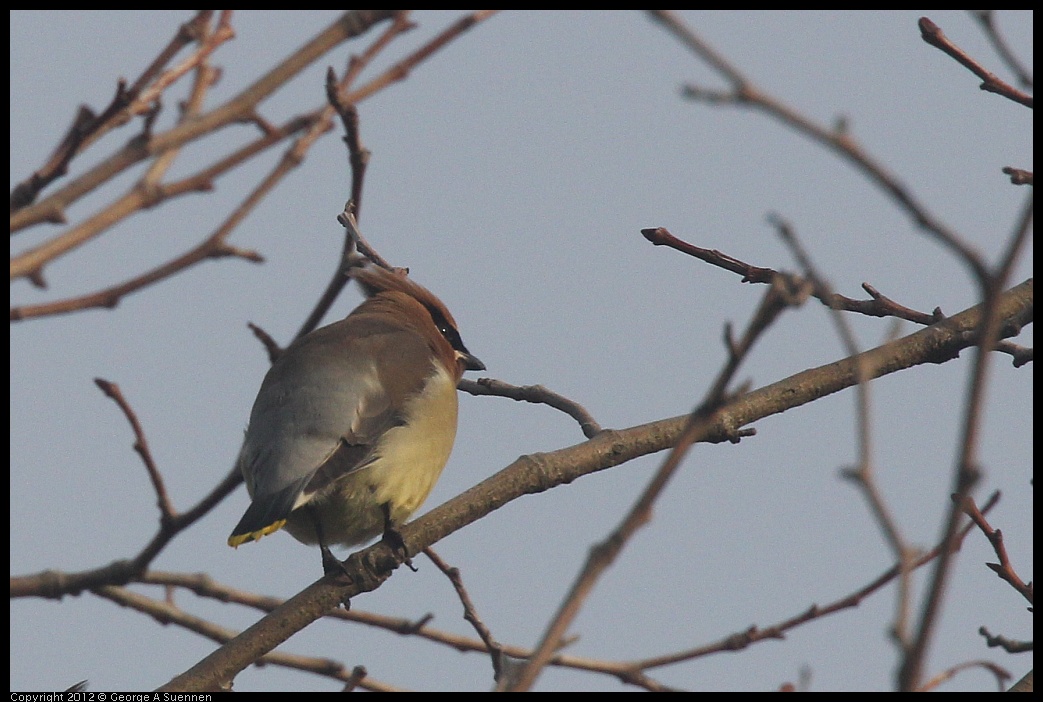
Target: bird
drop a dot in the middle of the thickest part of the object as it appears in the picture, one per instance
(354, 421)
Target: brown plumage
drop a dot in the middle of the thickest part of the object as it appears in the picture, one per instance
(355, 421)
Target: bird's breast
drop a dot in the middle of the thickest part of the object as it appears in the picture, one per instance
(408, 460)
(410, 457)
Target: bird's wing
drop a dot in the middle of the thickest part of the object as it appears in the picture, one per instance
(321, 409)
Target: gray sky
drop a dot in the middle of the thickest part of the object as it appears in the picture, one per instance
(512, 173)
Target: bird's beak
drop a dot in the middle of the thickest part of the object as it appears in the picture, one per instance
(470, 361)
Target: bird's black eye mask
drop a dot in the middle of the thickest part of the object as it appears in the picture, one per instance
(447, 329)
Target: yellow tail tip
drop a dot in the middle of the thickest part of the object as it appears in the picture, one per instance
(237, 540)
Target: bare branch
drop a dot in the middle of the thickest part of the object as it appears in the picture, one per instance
(1003, 569)
(838, 139)
(742, 639)
(537, 394)
(470, 612)
(241, 106)
(112, 390)
(988, 23)
(933, 35)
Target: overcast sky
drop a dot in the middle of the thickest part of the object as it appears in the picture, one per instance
(512, 173)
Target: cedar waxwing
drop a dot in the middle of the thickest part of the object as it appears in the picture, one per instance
(354, 422)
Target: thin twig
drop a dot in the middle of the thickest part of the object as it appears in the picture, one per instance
(699, 424)
(986, 18)
(56, 584)
(878, 305)
(358, 156)
(837, 138)
(1003, 642)
(1001, 674)
(536, 394)
(169, 613)
(1004, 569)
(967, 471)
(864, 472)
(88, 127)
(241, 106)
(754, 634)
(470, 612)
(112, 391)
(933, 35)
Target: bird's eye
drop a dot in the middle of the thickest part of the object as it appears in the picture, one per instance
(447, 330)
